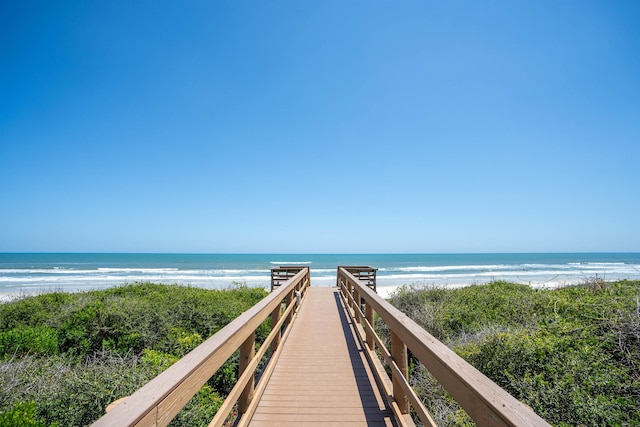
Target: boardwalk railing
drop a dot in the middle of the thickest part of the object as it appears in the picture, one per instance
(365, 274)
(160, 400)
(485, 402)
(282, 274)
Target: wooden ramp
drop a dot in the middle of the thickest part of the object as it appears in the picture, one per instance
(322, 376)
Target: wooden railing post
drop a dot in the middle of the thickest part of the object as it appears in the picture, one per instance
(247, 351)
(356, 308)
(288, 301)
(346, 287)
(399, 355)
(369, 316)
(350, 291)
(275, 318)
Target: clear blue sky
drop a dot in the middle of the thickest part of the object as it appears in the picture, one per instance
(320, 126)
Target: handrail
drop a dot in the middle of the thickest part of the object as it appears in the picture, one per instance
(485, 402)
(160, 400)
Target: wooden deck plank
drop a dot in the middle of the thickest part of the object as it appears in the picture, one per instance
(322, 377)
(320, 404)
(262, 423)
(312, 410)
(312, 417)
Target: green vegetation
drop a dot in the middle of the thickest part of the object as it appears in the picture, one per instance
(572, 354)
(65, 357)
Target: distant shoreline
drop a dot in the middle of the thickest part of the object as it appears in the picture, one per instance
(384, 290)
(28, 273)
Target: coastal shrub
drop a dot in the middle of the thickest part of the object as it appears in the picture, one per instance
(67, 392)
(179, 341)
(22, 414)
(199, 410)
(73, 354)
(563, 377)
(28, 340)
(447, 313)
(157, 360)
(76, 394)
(131, 317)
(80, 332)
(624, 327)
(473, 308)
(421, 303)
(32, 311)
(570, 353)
(227, 375)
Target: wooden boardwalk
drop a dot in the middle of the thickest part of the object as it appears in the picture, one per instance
(319, 373)
(322, 376)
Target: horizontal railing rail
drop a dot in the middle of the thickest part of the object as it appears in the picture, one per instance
(160, 400)
(485, 402)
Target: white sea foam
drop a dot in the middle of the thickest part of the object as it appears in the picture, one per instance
(323, 271)
(44, 271)
(226, 272)
(132, 270)
(449, 268)
(78, 276)
(291, 262)
(596, 263)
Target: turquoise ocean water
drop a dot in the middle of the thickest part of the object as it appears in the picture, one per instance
(22, 273)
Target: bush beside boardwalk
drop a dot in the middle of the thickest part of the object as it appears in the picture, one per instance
(64, 357)
(572, 354)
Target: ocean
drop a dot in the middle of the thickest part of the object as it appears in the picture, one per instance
(28, 273)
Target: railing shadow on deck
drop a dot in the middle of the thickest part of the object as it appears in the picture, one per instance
(485, 402)
(371, 407)
(160, 400)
